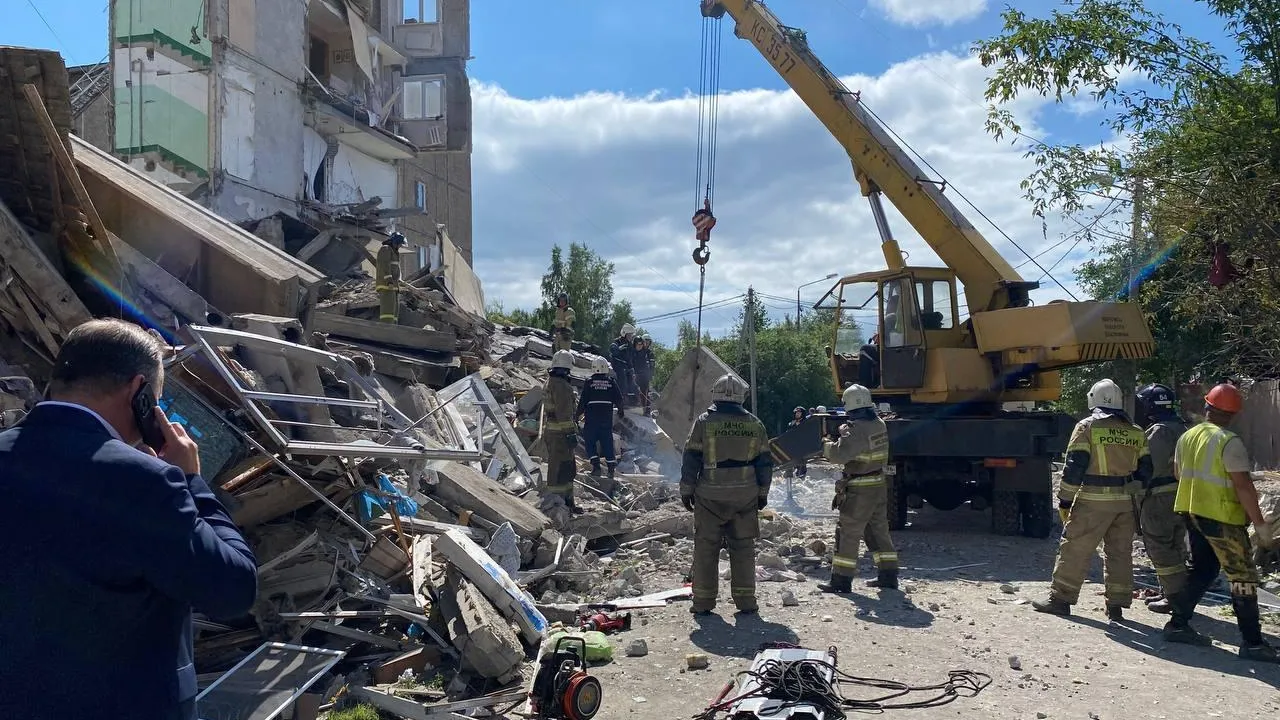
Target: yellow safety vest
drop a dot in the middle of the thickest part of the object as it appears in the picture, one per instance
(1204, 486)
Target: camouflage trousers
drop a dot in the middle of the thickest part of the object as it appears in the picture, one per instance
(1219, 547)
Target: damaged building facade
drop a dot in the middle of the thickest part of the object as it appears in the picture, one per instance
(318, 126)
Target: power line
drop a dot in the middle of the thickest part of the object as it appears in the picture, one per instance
(44, 20)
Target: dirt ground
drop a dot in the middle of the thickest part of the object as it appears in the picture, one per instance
(943, 619)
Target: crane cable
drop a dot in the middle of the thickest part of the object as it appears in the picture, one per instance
(704, 177)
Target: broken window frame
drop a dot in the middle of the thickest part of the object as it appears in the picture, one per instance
(209, 340)
(334, 657)
(491, 410)
(419, 17)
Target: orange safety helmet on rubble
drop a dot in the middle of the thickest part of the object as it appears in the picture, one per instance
(1225, 397)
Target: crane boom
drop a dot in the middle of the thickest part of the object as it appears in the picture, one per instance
(879, 163)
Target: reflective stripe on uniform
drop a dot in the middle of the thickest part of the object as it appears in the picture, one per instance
(705, 593)
(1204, 486)
(560, 425)
(742, 591)
(1103, 494)
(865, 480)
(844, 561)
(880, 557)
(1170, 570)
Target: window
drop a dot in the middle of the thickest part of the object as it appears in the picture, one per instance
(423, 98)
(318, 57)
(421, 11)
(420, 195)
(934, 297)
(901, 315)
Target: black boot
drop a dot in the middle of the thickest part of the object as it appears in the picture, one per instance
(1052, 606)
(1261, 652)
(1178, 629)
(885, 580)
(1249, 619)
(1115, 613)
(613, 467)
(839, 584)
(595, 468)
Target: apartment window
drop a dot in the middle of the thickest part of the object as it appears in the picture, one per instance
(318, 57)
(420, 195)
(423, 98)
(423, 11)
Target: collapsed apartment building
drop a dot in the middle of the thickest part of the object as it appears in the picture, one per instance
(386, 474)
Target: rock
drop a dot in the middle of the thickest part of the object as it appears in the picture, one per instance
(771, 561)
(637, 648)
(908, 588)
(934, 607)
(696, 661)
(789, 599)
(618, 588)
(1015, 663)
(818, 547)
(632, 576)
(657, 551)
(1008, 589)
(1041, 715)
(828, 618)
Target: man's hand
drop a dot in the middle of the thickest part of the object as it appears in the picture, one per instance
(1265, 535)
(179, 449)
(688, 502)
(845, 430)
(836, 500)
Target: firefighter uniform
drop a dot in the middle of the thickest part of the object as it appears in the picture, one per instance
(862, 499)
(621, 356)
(1164, 533)
(388, 281)
(599, 401)
(559, 431)
(1206, 456)
(562, 327)
(724, 480)
(1105, 454)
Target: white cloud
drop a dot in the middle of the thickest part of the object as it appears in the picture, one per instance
(917, 13)
(617, 172)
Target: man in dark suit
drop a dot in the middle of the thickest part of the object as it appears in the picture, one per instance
(108, 547)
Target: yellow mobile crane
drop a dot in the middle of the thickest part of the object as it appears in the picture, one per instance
(945, 378)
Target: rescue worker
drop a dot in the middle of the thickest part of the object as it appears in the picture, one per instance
(388, 281)
(620, 357)
(798, 416)
(1105, 454)
(559, 431)
(599, 400)
(642, 361)
(724, 482)
(562, 327)
(1164, 534)
(1217, 497)
(861, 495)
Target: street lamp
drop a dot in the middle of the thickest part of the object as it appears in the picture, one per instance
(832, 276)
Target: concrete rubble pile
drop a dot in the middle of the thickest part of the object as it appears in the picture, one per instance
(385, 474)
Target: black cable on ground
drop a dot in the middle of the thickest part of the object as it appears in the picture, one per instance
(804, 682)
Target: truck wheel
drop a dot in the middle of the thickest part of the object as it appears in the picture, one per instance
(897, 505)
(1037, 514)
(1006, 512)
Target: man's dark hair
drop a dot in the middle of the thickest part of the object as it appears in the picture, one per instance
(100, 356)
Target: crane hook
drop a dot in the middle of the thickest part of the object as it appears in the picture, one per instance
(701, 255)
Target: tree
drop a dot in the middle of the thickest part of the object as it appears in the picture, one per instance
(588, 281)
(1202, 150)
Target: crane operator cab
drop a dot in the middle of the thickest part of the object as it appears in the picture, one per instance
(903, 313)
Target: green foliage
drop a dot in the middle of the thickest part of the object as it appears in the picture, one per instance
(1201, 164)
(358, 712)
(791, 366)
(588, 281)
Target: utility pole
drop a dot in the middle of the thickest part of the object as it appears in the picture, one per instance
(1129, 369)
(751, 344)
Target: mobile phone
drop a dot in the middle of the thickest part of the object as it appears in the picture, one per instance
(144, 414)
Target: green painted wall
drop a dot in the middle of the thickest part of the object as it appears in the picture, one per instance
(179, 132)
(163, 22)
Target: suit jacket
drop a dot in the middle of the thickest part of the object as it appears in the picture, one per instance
(105, 551)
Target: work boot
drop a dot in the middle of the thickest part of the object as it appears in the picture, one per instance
(1262, 652)
(1183, 634)
(885, 580)
(700, 612)
(595, 469)
(1115, 613)
(1052, 606)
(613, 467)
(1161, 606)
(839, 585)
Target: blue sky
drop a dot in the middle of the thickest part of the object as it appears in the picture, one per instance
(548, 144)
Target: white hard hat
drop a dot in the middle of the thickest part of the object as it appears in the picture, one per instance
(728, 388)
(820, 409)
(600, 365)
(1105, 394)
(856, 397)
(628, 329)
(563, 359)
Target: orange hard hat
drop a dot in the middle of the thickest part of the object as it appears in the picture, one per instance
(1225, 397)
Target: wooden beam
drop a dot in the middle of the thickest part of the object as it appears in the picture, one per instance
(68, 168)
(384, 333)
(33, 318)
(25, 258)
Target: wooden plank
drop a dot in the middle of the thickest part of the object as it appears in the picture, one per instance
(384, 333)
(68, 168)
(33, 318)
(422, 569)
(21, 253)
(156, 280)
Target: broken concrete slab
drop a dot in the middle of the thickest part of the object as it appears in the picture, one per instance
(380, 333)
(486, 641)
(688, 392)
(467, 488)
(493, 581)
